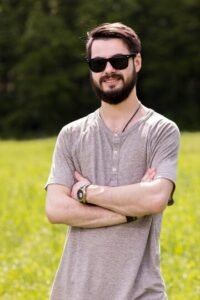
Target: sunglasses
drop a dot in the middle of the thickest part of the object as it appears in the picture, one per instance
(118, 62)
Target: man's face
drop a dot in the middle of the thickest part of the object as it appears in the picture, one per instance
(111, 85)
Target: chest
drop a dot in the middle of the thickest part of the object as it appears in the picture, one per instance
(112, 159)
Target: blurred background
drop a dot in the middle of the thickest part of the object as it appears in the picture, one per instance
(44, 80)
(44, 84)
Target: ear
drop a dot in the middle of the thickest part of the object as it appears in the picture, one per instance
(138, 62)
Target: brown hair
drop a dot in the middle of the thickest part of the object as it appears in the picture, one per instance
(114, 30)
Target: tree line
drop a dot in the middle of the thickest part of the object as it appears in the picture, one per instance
(44, 79)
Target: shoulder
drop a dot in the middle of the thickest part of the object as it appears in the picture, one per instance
(163, 133)
(75, 131)
(158, 120)
(160, 125)
(80, 126)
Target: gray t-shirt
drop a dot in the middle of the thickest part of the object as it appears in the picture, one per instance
(119, 262)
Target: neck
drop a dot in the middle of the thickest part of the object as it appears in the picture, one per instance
(116, 116)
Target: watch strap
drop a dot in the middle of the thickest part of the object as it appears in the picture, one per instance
(131, 219)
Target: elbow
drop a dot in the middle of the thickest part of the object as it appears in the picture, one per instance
(51, 215)
(159, 203)
(57, 204)
(160, 195)
(158, 206)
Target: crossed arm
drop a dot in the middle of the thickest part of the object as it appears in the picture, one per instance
(112, 204)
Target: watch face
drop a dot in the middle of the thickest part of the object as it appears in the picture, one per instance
(80, 194)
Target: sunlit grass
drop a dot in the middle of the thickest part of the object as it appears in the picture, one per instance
(31, 248)
(180, 238)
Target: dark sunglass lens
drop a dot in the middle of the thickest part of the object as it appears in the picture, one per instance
(97, 64)
(120, 62)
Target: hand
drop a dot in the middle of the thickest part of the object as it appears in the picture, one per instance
(81, 181)
(149, 175)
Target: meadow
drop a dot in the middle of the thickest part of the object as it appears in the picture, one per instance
(30, 247)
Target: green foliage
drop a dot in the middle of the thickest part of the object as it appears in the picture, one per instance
(31, 247)
(44, 79)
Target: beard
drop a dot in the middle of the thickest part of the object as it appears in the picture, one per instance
(118, 95)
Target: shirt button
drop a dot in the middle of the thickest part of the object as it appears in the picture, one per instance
(115, 152)
(115, 135)
(114, 169)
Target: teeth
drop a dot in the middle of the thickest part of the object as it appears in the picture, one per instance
(111, 79)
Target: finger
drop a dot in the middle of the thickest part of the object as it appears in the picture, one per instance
(149, 175)
(145, 178)
(78, 176)
(146, 175)
(152, 173)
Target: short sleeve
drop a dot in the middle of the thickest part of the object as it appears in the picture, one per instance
(164, 144)
(62, 168)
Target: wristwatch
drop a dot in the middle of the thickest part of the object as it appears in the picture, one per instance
(81, 193)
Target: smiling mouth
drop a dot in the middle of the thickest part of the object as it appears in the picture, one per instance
(110, 79)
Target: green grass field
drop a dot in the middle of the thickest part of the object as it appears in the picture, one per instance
(30, 248)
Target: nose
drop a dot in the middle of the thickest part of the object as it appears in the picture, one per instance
(109, 68)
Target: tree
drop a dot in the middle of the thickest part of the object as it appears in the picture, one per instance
(43, 75)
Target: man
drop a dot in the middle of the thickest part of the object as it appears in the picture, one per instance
(113, 174)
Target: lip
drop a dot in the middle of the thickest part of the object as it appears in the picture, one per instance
(111, 80)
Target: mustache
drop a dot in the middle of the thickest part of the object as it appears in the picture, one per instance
(113, 76)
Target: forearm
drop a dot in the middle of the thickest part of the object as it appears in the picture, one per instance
(62, 209)
(95, 217)
(140, 199)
